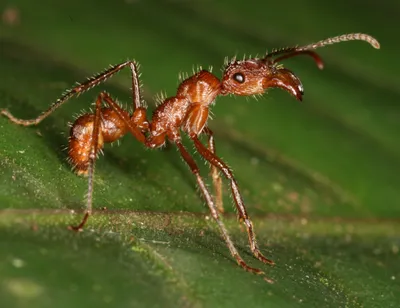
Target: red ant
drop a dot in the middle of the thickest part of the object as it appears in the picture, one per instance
(187, 111)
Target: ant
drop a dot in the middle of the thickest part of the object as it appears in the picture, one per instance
(187, 112)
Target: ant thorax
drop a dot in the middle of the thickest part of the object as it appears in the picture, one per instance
(201, 88)
(187, 110)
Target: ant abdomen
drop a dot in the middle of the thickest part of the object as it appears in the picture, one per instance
(111, 128)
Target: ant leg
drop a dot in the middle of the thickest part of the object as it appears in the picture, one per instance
(92, 160)
(213, 209)
(83, 87)
(243, 216)
(217, 180)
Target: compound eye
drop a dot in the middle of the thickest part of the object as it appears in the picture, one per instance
(238, 77)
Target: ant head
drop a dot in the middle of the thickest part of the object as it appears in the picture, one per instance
(254, 76)
(243, 77)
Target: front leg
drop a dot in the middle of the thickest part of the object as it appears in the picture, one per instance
(240, 206)
(214, 211)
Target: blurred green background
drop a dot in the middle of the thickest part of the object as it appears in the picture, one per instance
(320, 178)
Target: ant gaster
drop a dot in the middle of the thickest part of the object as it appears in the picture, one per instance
(187, 112)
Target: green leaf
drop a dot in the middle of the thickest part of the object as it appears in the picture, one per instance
(320, 178)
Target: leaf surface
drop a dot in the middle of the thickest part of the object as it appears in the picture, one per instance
(320, 178)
